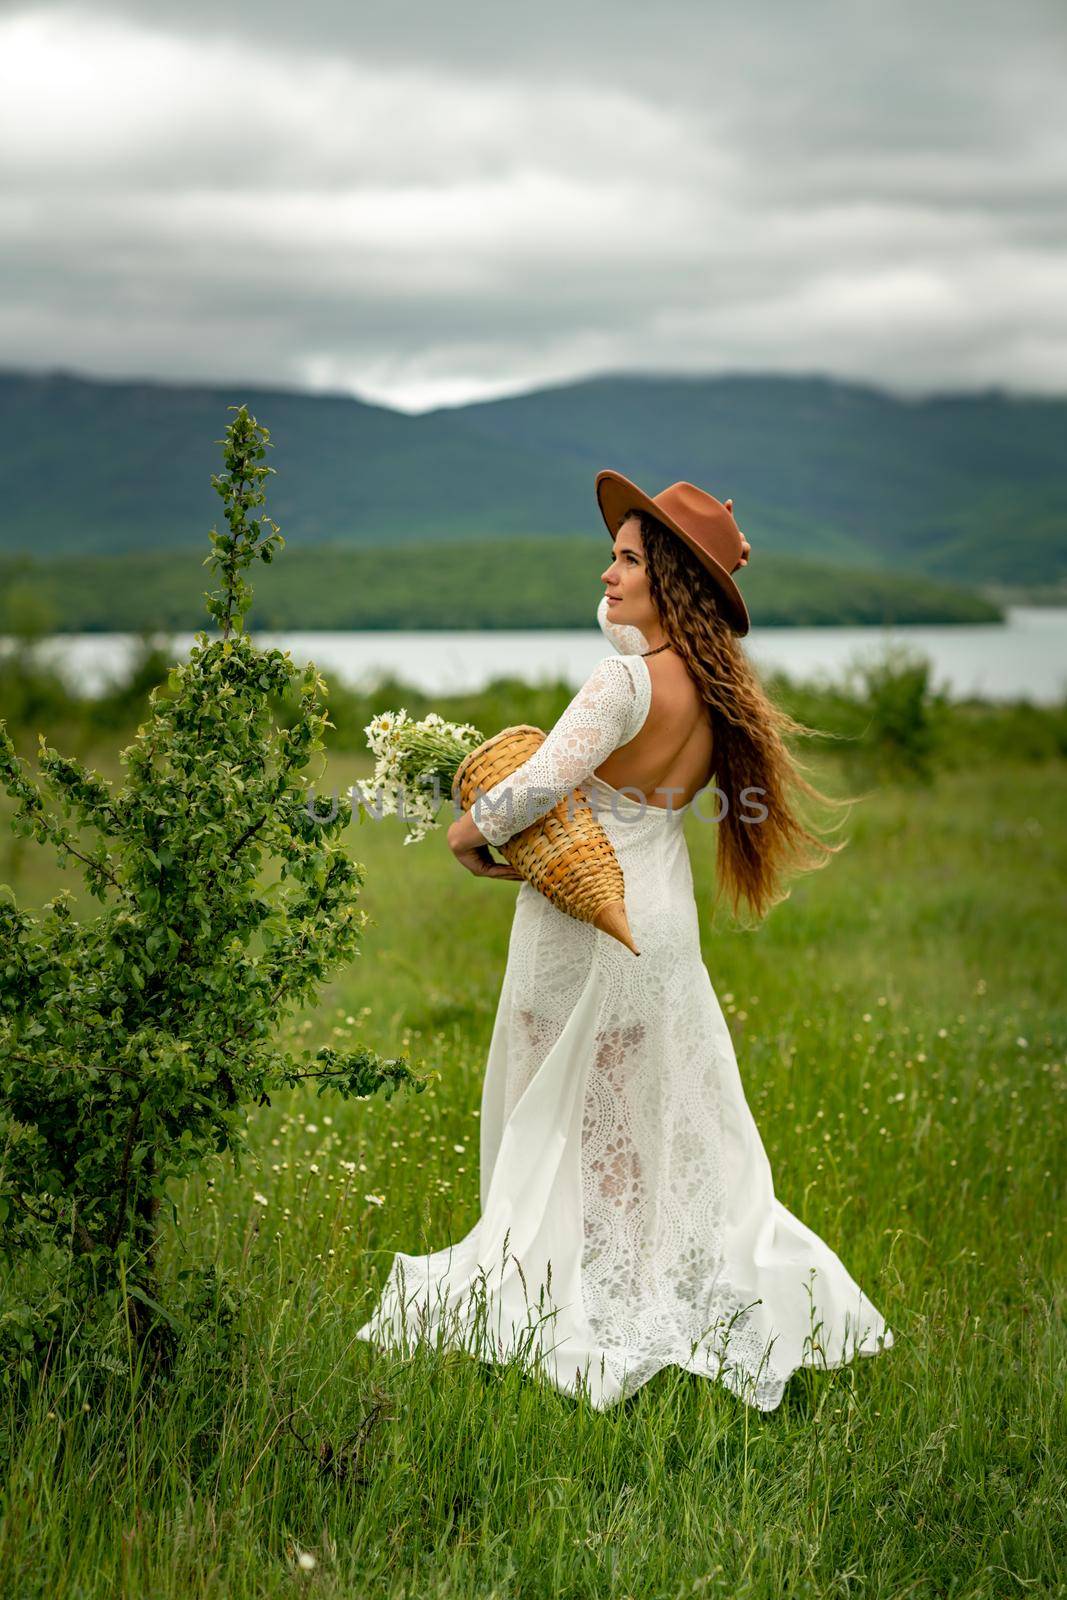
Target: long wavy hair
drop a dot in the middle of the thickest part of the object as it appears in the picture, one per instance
(748, 730)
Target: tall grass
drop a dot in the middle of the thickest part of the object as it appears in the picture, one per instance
(901, 1030)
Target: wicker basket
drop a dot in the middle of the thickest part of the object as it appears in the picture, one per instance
(570, 859)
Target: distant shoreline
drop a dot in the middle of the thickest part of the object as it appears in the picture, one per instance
(548, 583)
(1023, 658)
(254, 627)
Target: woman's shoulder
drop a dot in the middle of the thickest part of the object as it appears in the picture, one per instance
(622, 670)
(627, 682)
(672, 686)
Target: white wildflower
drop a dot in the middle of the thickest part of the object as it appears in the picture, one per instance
(414, 760)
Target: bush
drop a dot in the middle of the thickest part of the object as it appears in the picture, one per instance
(131, 1043)
(896, 700)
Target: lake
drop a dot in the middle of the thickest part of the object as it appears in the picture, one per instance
(1022, 658)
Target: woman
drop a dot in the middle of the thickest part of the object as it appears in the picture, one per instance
(628, 1218)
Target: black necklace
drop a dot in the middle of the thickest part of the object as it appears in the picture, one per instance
(657, 650)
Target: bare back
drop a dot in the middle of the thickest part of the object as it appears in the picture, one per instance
(674, 748)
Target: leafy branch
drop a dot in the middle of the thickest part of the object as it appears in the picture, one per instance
(133, 1042)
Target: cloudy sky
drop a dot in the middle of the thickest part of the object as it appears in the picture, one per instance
(425, 203)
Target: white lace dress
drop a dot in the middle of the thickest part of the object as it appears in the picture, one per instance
(628, 1218)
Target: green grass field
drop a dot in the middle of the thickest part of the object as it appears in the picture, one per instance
(901, 1028)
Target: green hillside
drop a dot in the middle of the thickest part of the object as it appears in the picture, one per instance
(518, 583)
(110, 467)
(970, 488)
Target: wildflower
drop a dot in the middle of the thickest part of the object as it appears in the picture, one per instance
(261, 1199)
(306, 1561)
(374, 1199)
(416, 762)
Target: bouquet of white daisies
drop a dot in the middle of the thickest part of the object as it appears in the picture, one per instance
(415, 764)
(567, 857)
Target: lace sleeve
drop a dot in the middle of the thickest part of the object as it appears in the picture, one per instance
(597, 721)
(628, 640)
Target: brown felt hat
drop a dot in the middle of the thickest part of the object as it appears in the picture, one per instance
(700, 520)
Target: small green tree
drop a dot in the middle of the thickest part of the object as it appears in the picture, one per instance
(132, 1042)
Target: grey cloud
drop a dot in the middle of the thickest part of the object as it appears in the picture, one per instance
(426, 204)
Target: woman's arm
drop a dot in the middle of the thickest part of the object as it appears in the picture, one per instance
(628, 640)
(470, 848)
(594, 724)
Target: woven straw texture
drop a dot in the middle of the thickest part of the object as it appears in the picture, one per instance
(569, 858)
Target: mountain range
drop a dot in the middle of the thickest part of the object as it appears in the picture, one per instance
(968, 488)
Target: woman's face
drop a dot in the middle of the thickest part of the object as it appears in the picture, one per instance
(626, 581)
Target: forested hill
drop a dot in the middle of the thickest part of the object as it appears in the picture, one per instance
(968, 488)
(551, 581)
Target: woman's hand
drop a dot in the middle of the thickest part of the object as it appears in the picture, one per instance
(471, 849)
(745, 546)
